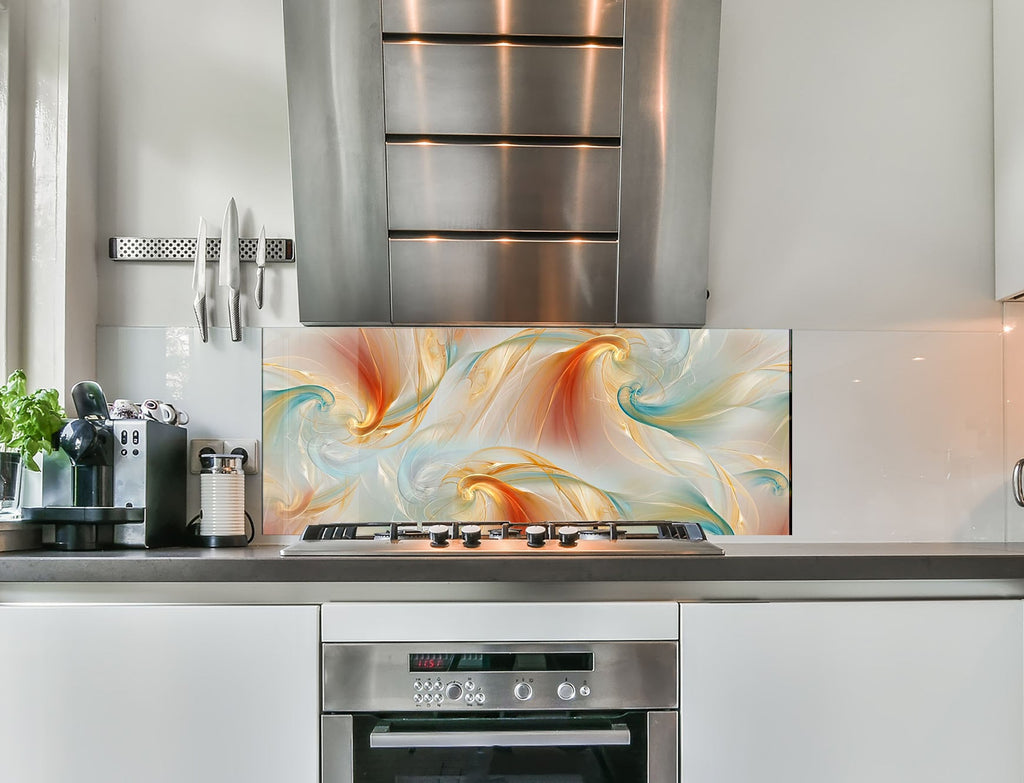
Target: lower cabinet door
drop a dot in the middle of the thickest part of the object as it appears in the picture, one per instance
(852, 692)
(203, 694)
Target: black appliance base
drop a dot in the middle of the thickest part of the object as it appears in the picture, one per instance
(218, 541)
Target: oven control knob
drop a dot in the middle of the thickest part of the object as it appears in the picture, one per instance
(566, 691)
(438, 535)
(471, 535)
(522, 691)
(453, 691)
(568, 535)
(535, 535)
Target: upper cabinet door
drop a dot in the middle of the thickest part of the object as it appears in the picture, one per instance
(1008, 128)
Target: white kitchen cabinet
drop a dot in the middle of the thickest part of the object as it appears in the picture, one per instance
(1008, 149)
(886, 692)
(162, 694)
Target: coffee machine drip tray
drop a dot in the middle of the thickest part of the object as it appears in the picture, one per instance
(87, 515)
(79, 528)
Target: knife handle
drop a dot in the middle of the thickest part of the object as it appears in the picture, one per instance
(199, 306)
(235, 316)
(258, 293)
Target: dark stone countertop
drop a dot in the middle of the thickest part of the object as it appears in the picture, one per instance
(743, 562)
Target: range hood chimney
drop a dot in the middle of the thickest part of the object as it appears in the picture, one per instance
(502, 161)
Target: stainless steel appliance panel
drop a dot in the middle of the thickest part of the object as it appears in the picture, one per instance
(510, 281)
(150, 472)
(615, 734)
(376, 677)
(502, 89)
(662, 746)
(335, 74)
(502, 187)
(336, 751)
(667, 145)
(596, 18)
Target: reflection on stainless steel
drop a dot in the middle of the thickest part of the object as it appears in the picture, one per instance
(506, 116)
(1018, 483)
(593, 18)
(626, 675)
(662, 754)
(616, 734)
(656, 538)
(336, 119)
(668, 134)
(433, 88)
(336, 751)
(511, 281)
(502, 187)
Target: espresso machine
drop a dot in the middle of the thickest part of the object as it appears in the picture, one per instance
(113, 482)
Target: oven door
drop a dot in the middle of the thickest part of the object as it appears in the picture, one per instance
(627, 747)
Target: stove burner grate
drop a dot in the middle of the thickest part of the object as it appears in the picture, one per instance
(659, 537)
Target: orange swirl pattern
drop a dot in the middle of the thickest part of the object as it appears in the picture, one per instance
(527, 425)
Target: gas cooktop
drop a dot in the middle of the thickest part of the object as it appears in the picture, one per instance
(502, 538)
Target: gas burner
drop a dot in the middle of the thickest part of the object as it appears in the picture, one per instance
(451, 538)
(503, 530)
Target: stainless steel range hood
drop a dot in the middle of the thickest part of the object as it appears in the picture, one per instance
(502, 161)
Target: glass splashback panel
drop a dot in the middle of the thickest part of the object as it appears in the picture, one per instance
(527, 425)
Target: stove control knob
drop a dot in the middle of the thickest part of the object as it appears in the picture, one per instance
(568, 535)
(438, 535)
(453, 691)
(566, 691)
(471, 535)
(535, 535)
(522, 691)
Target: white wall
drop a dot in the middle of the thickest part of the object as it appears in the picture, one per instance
(193, 112)
(852, 203)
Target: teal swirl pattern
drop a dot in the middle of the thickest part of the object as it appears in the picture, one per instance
(527, 425)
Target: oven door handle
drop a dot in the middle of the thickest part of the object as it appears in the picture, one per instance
(382, 737)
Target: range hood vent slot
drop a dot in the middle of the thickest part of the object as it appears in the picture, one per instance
(502, 161)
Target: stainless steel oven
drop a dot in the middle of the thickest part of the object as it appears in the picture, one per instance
(545, 712)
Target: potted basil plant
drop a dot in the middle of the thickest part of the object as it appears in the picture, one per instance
(28, 423)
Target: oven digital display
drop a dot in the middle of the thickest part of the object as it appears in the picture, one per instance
(501, 662)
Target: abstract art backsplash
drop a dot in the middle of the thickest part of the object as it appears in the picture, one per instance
(527, 425)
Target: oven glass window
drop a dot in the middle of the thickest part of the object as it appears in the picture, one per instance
(548, 749)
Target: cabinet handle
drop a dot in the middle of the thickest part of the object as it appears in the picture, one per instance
(1018, 488)
(382, 737)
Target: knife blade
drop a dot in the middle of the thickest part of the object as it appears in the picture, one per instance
(229, 275)
(261, 262)
(199, 281)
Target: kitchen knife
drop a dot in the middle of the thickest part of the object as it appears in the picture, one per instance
(229, 268)
(199, 281)
(261, 261)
